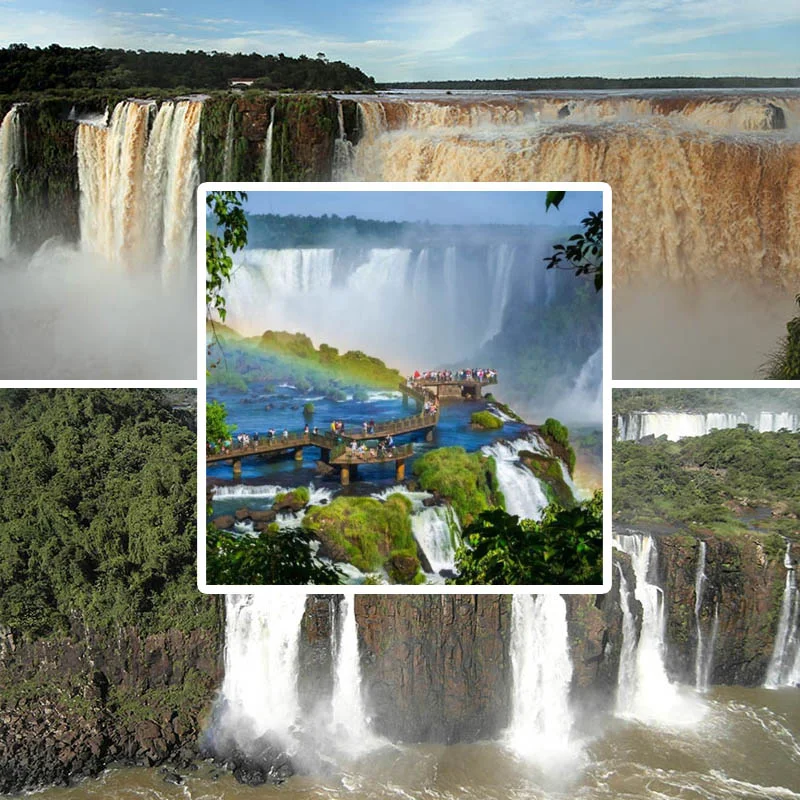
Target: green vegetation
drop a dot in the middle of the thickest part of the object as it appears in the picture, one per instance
(308, 409)
(229, 235)
(363, 531)
(217, 430)
(280, 357)
(784, 363)
(507, 410)
(583, 251)
(715, 481)
(277, 557)
(468, 481)
(557, 436)
(24, 68)
(565, 547)
(403, 567)
(486, 420)
(548, 471)
(97, 512)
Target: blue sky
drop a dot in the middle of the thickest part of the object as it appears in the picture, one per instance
(496, 207)
(446, 39)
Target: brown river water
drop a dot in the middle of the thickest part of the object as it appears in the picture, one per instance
(746, 746)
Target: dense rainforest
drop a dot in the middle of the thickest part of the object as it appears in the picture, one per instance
(98, 510)
(24, 69)
(729, 480)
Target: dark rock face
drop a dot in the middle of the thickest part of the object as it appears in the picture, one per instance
(69, 707)
(436, 668)
(745, 580)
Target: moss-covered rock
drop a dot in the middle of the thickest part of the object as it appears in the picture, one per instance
(361, 530)
(486, 421)
(548, 471)
(403, 567)
(467, 480)
(557, 437)
(295, 500)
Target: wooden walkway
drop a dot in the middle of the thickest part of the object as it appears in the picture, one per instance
(334, 447)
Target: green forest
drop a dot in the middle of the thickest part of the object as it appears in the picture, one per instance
(98, 510)
(728, 480)
(24, 68)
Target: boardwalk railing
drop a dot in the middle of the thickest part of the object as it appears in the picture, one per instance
(345, 455)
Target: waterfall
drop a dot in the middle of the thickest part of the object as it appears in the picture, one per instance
(350, 725)
(703, 655)
(137, 184)
(310, 290)
(11, 152)
(666, 157)
(525, 497)
(784, 665)
(500, 269)
(626, 677)
(653, 698)
(438, 533)
(541, 718)
(342, 148)
(677, 425)
(259, 691)
(266, 175)
(227, 153)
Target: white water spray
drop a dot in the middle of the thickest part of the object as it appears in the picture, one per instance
(266, 174)
(525, 497)
(541, 718)
(784, 665)
(652, 698)
(11, 145)
(677, 425)
(350, 725)
(438, 533)
(259, 691)
(704, 652)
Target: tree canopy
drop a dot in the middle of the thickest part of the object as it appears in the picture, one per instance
(97, 512)
(24, 68)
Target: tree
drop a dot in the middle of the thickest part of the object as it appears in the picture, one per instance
(229, 237)
(583, 251)
(564, 547)
(784, 363)
(217, 430)
(274, 557)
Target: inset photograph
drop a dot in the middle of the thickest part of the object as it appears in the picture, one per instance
(404, 386)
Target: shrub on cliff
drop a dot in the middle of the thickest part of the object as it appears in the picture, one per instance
(467, 480)
(361, 530)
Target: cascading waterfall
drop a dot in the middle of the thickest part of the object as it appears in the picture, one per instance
(266, 175)
(704, 652)
(784, 665)
(541, 718)
(259, 691)
(525, 497)
(700, 156)
(311, 290)
(677, 425)
(653, 698)
(350, 725)
(438, 533)
(501, 291)
(227, 152)
(626, 677)
(11, 146)
(342, 148)
(137, 184)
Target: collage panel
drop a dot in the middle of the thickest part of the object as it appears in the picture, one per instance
(405, 387)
